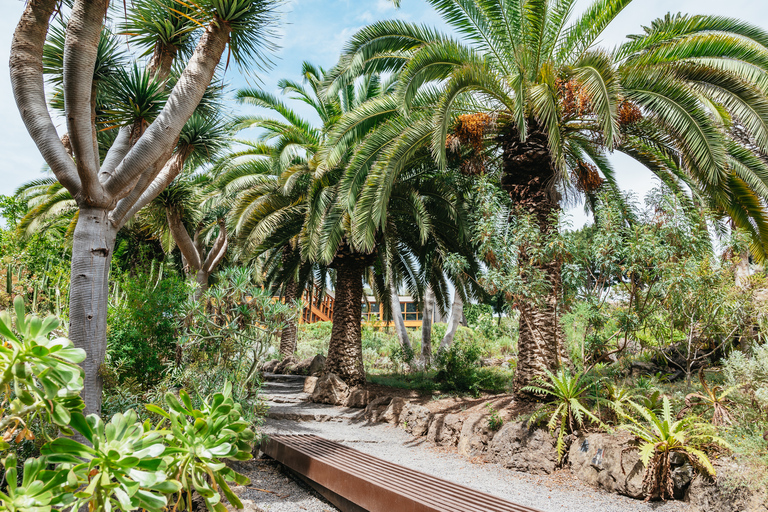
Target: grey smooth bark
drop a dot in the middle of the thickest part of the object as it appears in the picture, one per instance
(397, 318)
(457, 312)
(132, 163)
(426, 328)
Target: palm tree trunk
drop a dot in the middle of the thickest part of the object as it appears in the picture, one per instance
(528, 178)
(397, 318)
(426, 329)
(94, 240)
(289, 335)
(345, 352)
(457, 311)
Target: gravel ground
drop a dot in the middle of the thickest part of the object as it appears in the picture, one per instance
(557, 492)
(273, 490)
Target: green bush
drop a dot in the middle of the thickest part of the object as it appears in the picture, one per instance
(458, 367)
(142, 328)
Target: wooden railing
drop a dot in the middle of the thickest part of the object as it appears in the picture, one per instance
(316, 310)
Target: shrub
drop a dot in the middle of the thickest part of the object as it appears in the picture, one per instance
(457, 368)
(750, 374)
(143, 328)
(495, 422)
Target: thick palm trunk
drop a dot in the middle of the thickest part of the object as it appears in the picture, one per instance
(457, 311)
(345, 353)
(426, 329)
(94, 240)
(397, 318)
(289, 335)
(528, 178)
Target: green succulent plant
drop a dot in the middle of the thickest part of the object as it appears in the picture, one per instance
(567, 409)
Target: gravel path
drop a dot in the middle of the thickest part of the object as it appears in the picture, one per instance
(552, 493)
(273, 490)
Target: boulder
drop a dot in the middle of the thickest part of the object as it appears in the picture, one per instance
(731, 493)
(451, 431)
(317, 365)
(611, 462)
(520, 448)
(415, 419)
(491, 361)
(359, 398)
(392, 413)
(269, 366)
(300, 368)
(376, 408)
(285, 363)
(475, 435)
(330, 389)
(309, 384)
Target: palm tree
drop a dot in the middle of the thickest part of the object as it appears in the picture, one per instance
(109, 176)
(556, 105)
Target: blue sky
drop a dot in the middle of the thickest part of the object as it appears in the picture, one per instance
(316, 30)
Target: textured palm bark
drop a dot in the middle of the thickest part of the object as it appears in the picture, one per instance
(457, 311)
(345, 352)
(92, 246)
(528, 178)
(288, 337)
(426, 328)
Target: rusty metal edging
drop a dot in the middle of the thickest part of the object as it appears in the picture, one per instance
(373, 484)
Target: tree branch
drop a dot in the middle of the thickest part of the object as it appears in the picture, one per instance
(26, 65)
(219, 249)
(170, 170)
(80, 52)
(182, 239)
(160, 137)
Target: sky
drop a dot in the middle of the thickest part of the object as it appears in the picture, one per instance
(316, 31)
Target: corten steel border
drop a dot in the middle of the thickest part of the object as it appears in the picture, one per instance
(374, 484)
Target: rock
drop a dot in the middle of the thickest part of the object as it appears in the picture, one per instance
(290, 360)
(638, 368)
(597, 459)
(445, 429)
(330, 389)
(376, 408)
(269, 366)
(309, 384)
(359, 398)
(705, 495)
(491, 361)
(517, 447)
(415, 419)
(475, 435)
(392, 413)
(317, 366)
(301, 368)
(681, 477)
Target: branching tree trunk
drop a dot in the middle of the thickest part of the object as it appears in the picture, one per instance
(426, 328)
(345, 352)
(106, 192)
(457, 311)
(196, 260)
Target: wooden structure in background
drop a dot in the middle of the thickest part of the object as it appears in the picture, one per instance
(321, 310)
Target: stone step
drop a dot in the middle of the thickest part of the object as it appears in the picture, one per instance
(286, 399)
(310, 412)
(283, 385)
(274, 377)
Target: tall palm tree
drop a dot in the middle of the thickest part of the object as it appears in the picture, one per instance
(557, 105)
